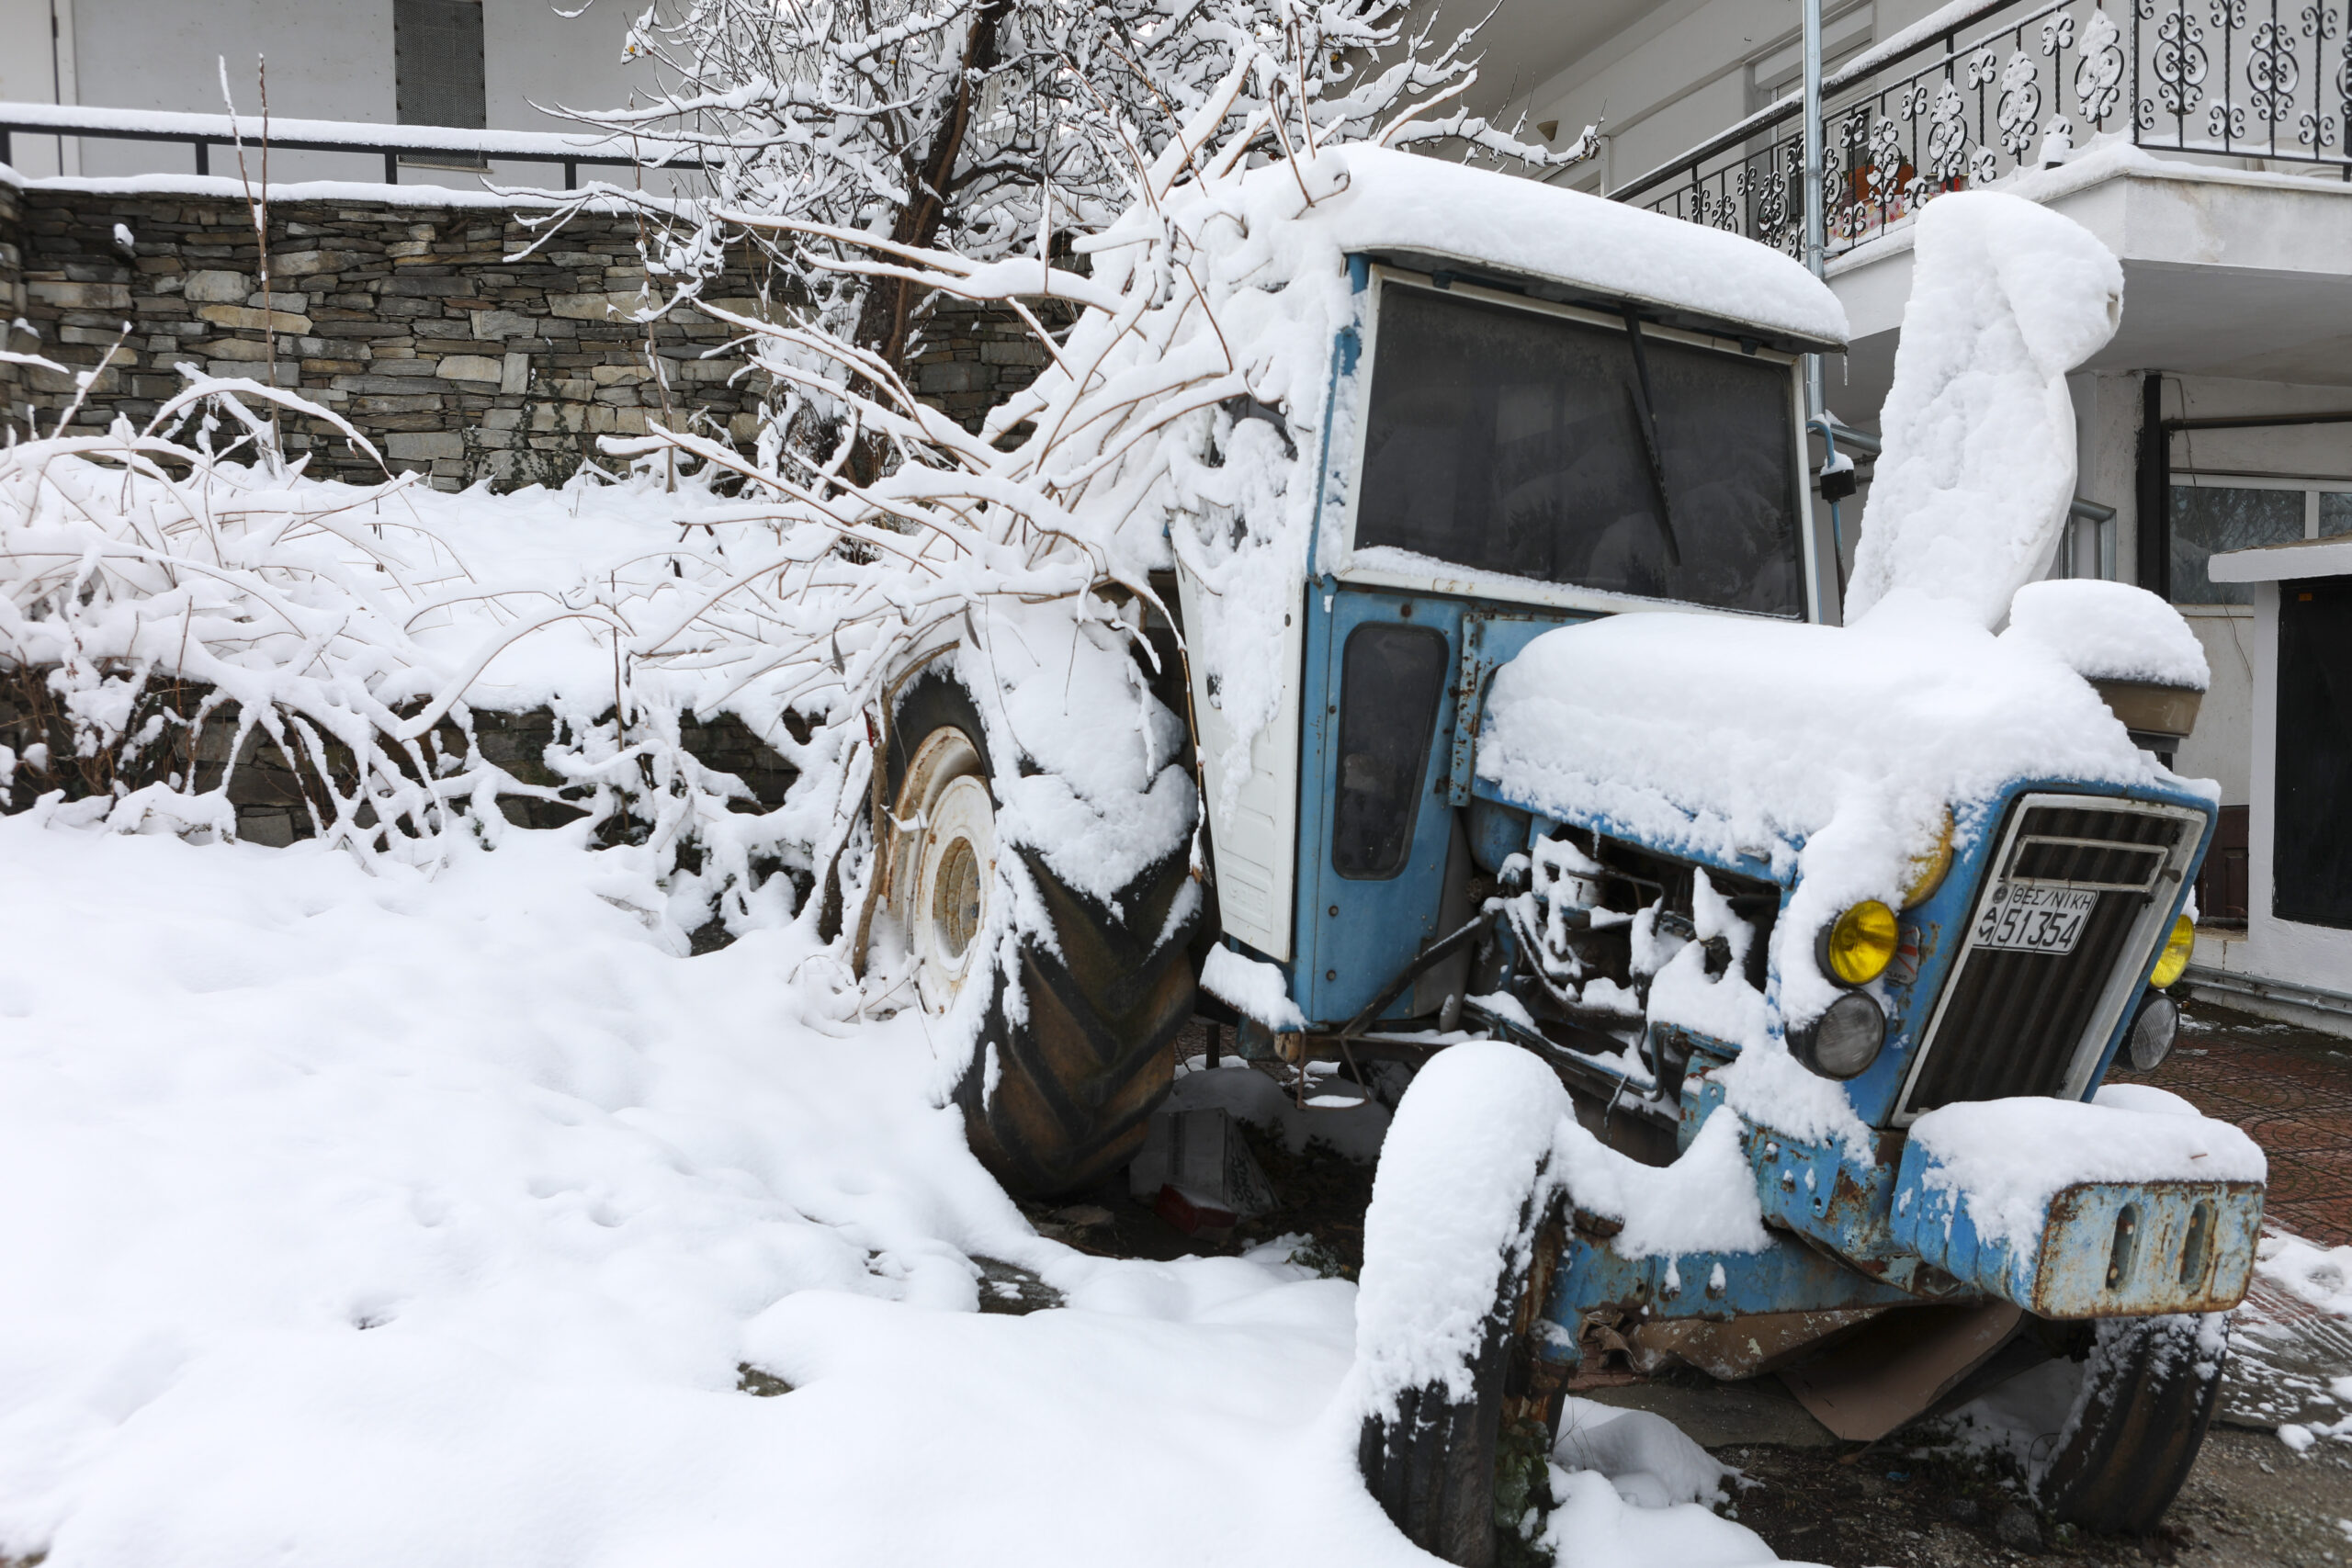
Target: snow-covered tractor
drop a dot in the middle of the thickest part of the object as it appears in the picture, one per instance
(1761, 974)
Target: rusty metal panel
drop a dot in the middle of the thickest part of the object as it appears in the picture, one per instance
(2105, 1248)
(2112, 1247)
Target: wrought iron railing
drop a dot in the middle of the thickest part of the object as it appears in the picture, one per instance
(392, 143)
(1978, 94)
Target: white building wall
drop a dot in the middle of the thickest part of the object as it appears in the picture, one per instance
(326, 62)
(37, 66)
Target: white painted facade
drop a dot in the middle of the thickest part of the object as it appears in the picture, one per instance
(331, 62)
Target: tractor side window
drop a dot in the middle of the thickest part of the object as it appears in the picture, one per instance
(1390, 681)
(1514, 442)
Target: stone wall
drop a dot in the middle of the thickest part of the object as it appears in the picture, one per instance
(12, 304)
(409, 321)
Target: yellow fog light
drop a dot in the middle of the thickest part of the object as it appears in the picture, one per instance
(1859, 946)
(1928, 868)
(2175, 957)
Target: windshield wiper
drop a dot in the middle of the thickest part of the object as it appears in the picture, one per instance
(1647, 417)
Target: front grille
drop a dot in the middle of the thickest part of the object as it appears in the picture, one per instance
(2016, 1022)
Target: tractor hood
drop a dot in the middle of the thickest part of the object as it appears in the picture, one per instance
(1829, 752)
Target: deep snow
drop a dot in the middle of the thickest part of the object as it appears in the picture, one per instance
(361, 1219)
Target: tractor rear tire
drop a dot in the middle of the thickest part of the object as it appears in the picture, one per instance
(2149, 1388)
(1054, 1102)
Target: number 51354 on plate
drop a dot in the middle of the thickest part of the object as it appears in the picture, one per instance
(2035, 920)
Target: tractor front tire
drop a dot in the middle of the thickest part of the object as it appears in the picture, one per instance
(1056, 1100)
(1457, 1461)
(2148, 1391)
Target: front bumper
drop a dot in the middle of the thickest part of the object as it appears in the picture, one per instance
(2103, 1249)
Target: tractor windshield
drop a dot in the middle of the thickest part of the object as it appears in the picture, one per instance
(1605, 456)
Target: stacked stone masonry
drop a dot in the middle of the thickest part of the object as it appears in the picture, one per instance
(427, 328)
(410, 322)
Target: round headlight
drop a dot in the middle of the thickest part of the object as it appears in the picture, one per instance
(1857, 949)
(1844, 1040)
(2153, 1033)
(1928, 868)
(2175, 957)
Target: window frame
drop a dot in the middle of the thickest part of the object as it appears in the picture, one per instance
(1352, 409)
(1430, 721)
(474, 163)
(2313, 486)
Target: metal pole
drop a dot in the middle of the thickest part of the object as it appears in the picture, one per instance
(1816, 404)
(1815, 225)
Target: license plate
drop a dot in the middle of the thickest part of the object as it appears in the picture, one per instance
(2035, 920)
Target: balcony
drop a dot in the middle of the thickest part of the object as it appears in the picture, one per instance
(1977, 93)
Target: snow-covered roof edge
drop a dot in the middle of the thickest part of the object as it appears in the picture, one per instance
(1402, 201)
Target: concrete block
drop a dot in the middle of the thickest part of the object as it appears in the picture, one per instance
(218, 287)
(289, 372)
(425, 445)
(591, 307)
(304, 264)
(81, 296)
(955, 376)
(251, 319)
(491, 324)
(469, 368)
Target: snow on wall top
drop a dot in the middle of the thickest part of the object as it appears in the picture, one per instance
(1834, 751)
(1978, 467)
(1401, 201)
(2109, 631)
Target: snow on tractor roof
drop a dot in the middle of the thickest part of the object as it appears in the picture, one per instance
(1402, 202)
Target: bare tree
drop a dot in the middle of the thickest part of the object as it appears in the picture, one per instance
(988, 126)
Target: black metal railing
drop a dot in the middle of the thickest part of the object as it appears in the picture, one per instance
(2005, 86)
(435, 146)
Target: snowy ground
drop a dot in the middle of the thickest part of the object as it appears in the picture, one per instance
(362, 1218)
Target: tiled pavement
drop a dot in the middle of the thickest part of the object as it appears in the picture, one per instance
(2291, 1090)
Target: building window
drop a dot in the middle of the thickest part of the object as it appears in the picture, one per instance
(439, 71)
(2210, 514)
